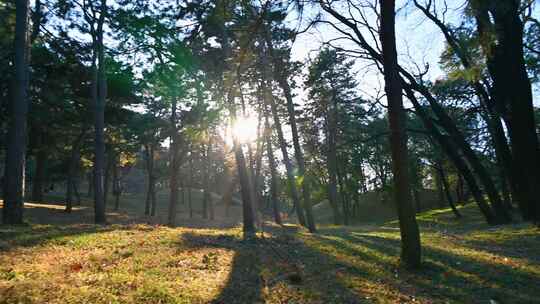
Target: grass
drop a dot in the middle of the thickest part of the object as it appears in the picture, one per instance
(136, 261)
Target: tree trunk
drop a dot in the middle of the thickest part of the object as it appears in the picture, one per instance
(39, 178)
(410, 236)
(174, 167)
(341, 196)
(502, 151)
(73, 167)
(190, 205)
(206, 180)
(305, 179)
(286, 160)
(446, 187)
(460, 189)
(99, 91)
(273, 172)
(331, 162)
(513, 95)
(117, 191)
(109, 164)
(501, 214)
(149, 170)
(417, 201)
(17, 125)
(451, 152)
(256, 171)
(439, 182)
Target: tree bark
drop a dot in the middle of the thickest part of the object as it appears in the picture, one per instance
(500, 143)
(453, 155)
(149, 157)
(109, 164)
(273, 172)
(174, 167)
(446, 188)
(410, 236)
(501, 214)
(513, 95)
(305, 179)
(341, 195)
(117, 191)
(17, 125)
(73, 167)
(269, 99)
(331, 161)
(39, 177)
(90, 191)
(99, 91)
(190, 187)
(206, 180)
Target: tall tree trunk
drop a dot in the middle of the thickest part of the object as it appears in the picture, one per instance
(417, 201)
(90, 191)
(269, 99)
(245, 188)
(460, 188)
(99, 91)
(109, 164)
(117, 191)
(513, 95)
(206, 179)
(331, 162)
(40, 174)
(305, 179)
(190, 203)
(17, 125)
(245, 185)
(273, 172)
(439, 182)
(342, 197)
(410, 236)
(73, 167)
(153, 205)
(150, 175)
(175, 166)
(257, 179)
(502, 151)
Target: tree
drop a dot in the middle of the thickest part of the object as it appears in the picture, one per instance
(410, 236)
(17, 126)
(501, 32)
(331, 95)
(305, 180)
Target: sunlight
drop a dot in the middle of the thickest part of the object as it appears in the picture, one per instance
(245, 129)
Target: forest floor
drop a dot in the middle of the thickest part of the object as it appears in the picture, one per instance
(61, 258)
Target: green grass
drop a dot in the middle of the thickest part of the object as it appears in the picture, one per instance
(464, 261)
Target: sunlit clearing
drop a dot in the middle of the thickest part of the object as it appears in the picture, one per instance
(245, 129)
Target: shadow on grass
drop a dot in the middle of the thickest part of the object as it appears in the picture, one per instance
(49, 222)
(277, 268)
(449, 273)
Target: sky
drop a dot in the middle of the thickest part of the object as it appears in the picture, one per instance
(419, 42)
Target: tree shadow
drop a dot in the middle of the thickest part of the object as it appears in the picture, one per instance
(49, 222)
(276, 268)
(448, 274)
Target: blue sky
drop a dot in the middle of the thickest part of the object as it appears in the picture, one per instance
(419, 41)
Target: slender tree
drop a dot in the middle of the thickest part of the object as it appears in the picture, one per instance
(410, 236)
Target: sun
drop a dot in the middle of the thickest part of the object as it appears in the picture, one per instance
(245, 129)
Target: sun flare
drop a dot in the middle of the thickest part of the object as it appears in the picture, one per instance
(245, 129)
